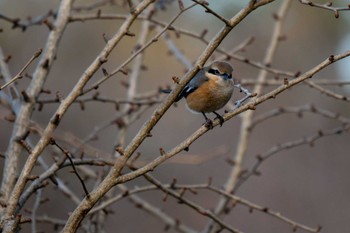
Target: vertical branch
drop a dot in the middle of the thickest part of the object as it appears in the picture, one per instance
(134, 76)
(248, 116)
(35, 209)
(137, 62)
(180, 56)
(14, 149)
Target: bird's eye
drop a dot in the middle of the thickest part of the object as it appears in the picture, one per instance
(214, 71)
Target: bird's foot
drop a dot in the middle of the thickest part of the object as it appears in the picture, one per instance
(209, 123)
(221, 119)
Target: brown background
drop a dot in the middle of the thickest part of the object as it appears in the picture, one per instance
(308, 184)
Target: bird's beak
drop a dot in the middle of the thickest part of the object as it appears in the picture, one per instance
(227, 76)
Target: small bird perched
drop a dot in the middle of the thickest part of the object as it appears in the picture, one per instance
(209, 90)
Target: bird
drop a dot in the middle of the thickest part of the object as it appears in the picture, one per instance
(209, 90)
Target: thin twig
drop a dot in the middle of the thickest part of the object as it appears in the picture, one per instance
(253, 206)
(323, 82)
(68, 155)
(328, 92)
(199, 209)
(20, 73)
(326, 6)
(153, 40)
(12, 99)
(192, 34)
(101, 99)
(205, 4)
(157, 212)
(288, 145)
(299, 111)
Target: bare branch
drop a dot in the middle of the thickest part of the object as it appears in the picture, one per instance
(111, 180)
(10, 172)
(153, 40)
(35, 209)
(326, 6)
(328, 92)
(247, 117)
(19, 75)
(323, 82)
(205, 4)
(197, 208)
(113, 167)
(288, 145)
(68, 155)
(45, 139)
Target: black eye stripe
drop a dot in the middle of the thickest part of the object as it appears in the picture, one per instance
(216, 72)
(213, 71)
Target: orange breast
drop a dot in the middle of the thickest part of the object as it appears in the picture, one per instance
(210, 96)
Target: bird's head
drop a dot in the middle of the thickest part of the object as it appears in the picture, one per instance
(221, 69)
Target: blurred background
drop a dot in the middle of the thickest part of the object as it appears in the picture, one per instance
(309, 184)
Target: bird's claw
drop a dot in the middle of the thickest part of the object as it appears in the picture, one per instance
(209, 123)
(221, 119)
